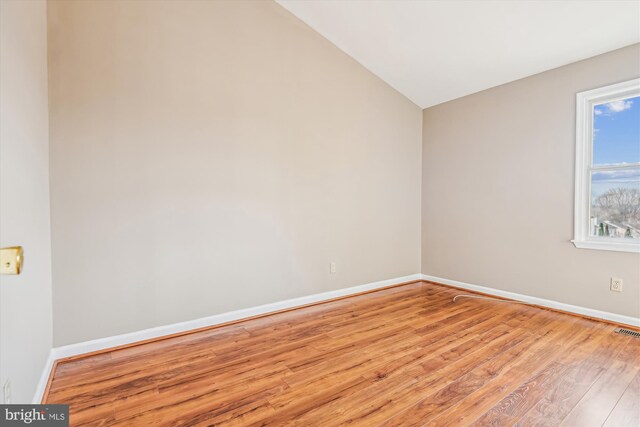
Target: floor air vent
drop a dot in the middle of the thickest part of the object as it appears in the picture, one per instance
(627, 332)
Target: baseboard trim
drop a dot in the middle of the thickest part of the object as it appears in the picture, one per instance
(83, 349)
(554, 305)
(43, 383)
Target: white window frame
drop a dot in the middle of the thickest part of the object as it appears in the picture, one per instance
(585, 102)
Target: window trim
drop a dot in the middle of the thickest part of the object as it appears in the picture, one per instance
(585, 102)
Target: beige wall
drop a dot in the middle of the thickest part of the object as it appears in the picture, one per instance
(211, 156)
(25, 300)
(497, 190)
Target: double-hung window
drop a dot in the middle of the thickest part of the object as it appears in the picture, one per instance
(607, 197)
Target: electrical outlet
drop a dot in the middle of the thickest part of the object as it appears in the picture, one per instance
(616, 284)
(332, 267)
(6, 392)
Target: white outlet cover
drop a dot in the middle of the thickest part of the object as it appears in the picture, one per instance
(616, 284)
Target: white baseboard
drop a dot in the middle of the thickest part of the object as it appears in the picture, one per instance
(618, 318)
(44, 378)
(118, 340)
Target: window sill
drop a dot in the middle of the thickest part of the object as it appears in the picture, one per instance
(607, 245)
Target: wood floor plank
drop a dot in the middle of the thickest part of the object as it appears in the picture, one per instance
(560, 398)
(461, 387)
(627, 411)
(579, 346)
(465, 411)
(512, 407)
(403, 356)
(596, 405)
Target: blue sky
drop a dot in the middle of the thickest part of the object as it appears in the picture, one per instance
(616, 128)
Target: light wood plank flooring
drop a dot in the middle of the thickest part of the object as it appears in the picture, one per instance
(404, 356)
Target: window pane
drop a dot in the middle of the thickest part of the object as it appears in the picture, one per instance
(616, 132)
(615, 203)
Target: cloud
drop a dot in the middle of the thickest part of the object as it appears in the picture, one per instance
(611, 108)
(624, 175)
(618, 106)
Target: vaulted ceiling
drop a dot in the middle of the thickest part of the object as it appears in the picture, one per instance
(435, 51)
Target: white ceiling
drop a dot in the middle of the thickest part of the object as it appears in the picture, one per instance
(435, 51)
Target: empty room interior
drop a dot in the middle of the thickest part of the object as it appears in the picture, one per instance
(320, 213)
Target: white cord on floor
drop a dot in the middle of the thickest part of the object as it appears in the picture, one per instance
(491, 299)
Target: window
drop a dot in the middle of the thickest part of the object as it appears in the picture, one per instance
(607, 210)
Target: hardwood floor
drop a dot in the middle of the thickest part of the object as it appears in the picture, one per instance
(404, 356)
